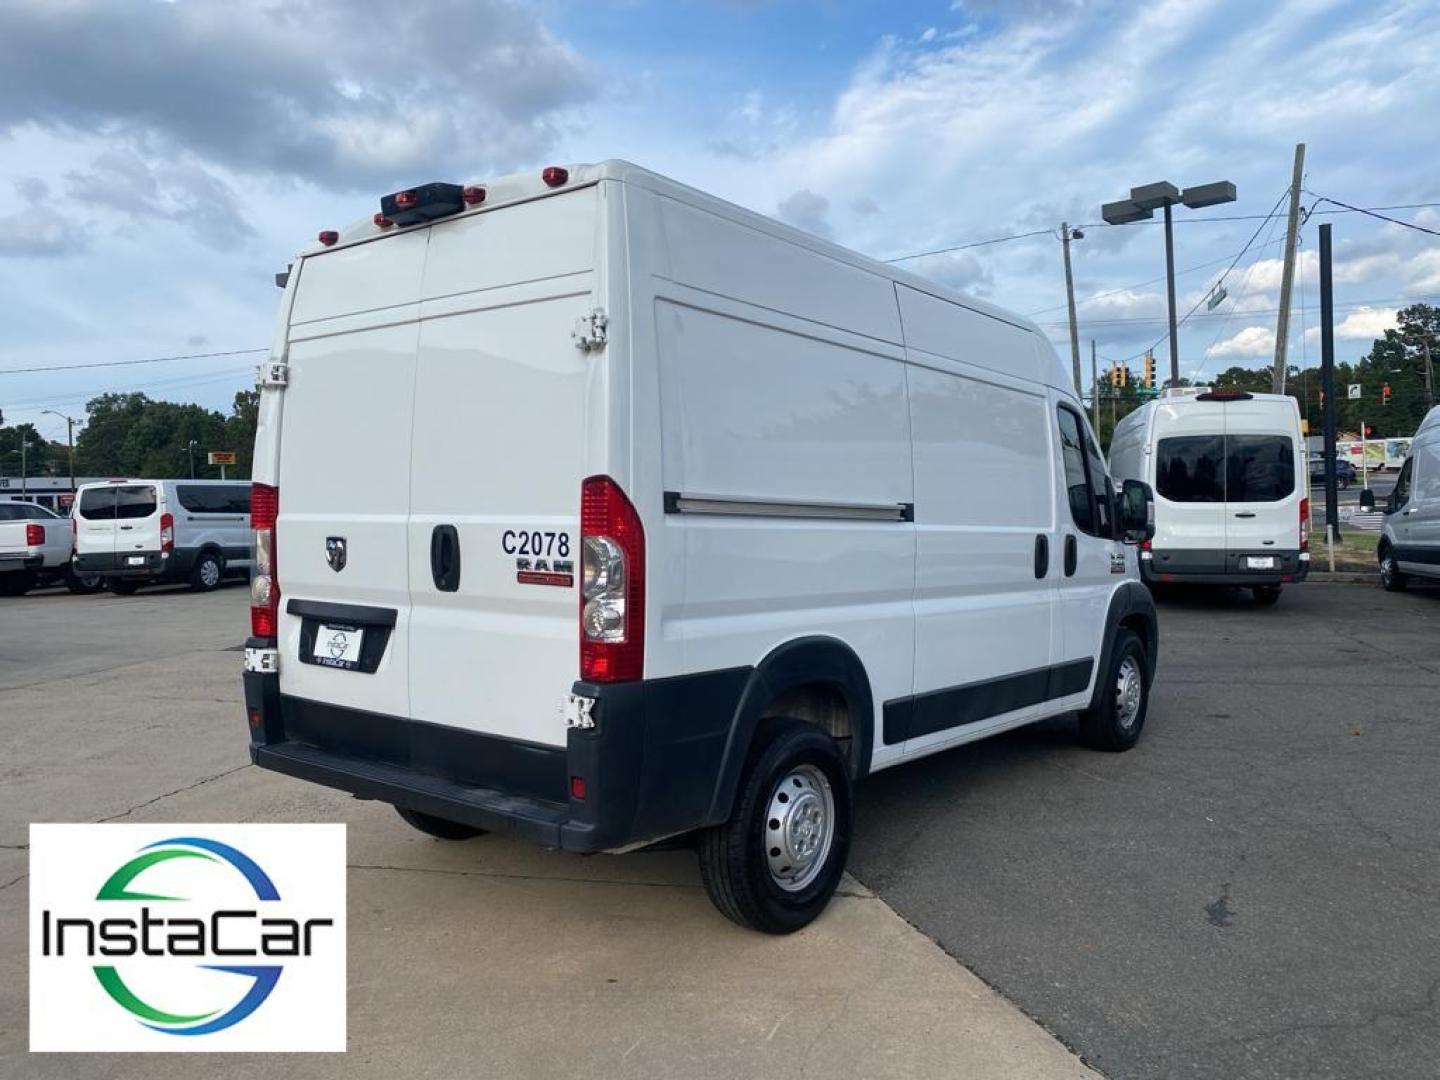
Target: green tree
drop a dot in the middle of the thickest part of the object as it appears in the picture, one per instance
(240, 431)
(41, 457)
(131, 435)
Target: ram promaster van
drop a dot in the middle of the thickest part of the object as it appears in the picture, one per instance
(597, 510)
(1410, 538)
(153, 532)
(1232, 504)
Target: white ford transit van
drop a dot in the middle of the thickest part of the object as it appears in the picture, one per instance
(147, 532)
(1232, 503)
(1410, 537)
(598, 510)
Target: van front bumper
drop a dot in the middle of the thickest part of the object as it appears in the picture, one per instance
(1183, 566)
(649, 766)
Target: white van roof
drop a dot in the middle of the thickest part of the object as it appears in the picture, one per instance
(1431, 421)
(527, 186)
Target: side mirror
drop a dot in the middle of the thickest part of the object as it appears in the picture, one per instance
(1137, 512)
(1367, 500)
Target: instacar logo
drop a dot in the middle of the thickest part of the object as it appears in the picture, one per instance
(187, 938)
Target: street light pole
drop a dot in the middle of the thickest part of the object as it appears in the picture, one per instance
(1170, 293)
(24, 487)
(1065, 237)
(192, 459)
(69, 442)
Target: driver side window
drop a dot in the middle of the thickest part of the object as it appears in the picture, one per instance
(1401, 495)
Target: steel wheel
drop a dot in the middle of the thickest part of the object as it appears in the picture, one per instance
(1129, 690)
(799, 827)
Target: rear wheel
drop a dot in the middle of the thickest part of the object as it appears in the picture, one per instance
(17, 582)
(80, 584)
(122, 587)
(1266, 595)
(1391, 579)
(1115, 723)
(207, 572)
(440, 828)
(775, 864)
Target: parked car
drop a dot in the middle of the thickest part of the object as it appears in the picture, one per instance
(145, 532)
(594, 509)
(35, 548)
(1409, 545)
(1232, 502)
(1345, 474)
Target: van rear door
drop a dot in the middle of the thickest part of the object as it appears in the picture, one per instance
(1264, 482)
(1189, 459)
(137, 521)
(95, 521)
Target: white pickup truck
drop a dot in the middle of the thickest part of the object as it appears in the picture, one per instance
(35, 549)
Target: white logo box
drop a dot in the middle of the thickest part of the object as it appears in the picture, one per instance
(186, 938)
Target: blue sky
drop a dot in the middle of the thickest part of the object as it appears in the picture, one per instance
(163, 160)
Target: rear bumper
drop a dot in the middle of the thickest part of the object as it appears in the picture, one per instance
(20, 560)
(1216, 567)
(651, 765)
(157, 566)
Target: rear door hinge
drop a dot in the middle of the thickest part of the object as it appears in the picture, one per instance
(274, 373)
(590, 333)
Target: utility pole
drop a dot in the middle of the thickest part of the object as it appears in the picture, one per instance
(1327, 390)
(69, 442)
(1287, 278)
(1065, 236)
(24, 445)
(1429, 376)
(1094, 388)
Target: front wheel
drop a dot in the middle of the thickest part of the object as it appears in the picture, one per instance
(441, 828)
(775, 864)
(121, 587)
(1391, 579)
(1115, 723)
(82, 584)
(207, 572)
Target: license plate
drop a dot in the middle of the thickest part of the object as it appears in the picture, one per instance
(1260, 562)
(135, 560)
(338, 646)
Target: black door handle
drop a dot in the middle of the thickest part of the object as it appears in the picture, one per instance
(1245, 514)
(445, 558)
(1072, 555)
(1042, 555)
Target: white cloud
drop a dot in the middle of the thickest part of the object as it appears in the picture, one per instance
(1362, 324)
(1251, 342)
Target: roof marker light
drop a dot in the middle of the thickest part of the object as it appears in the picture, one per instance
(406, 199)
(382, 222)
(328, 237)
(554, 175)
(473, 195)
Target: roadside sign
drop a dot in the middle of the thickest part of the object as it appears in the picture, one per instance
(225, 457)
(1216, 298)
(1354, 391)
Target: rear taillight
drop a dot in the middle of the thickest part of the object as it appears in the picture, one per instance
(1304, 524)
(264, 582)
(612, 584)
(34, 535)
(167, 532)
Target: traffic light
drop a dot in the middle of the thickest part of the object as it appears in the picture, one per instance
(1149, 371)
(1385, 394)
(1114, 375)
(1124, 375)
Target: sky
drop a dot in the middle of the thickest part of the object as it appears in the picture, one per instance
(160, 161)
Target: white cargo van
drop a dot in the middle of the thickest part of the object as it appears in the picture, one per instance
(149, 532)
(595, 509)
(1232, 503)
(1410, 538)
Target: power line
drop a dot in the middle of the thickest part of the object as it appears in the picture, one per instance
(972, 244)
(128, 363)
(1372, 212)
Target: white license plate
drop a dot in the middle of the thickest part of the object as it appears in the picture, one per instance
(338, 646)
(1260, 562)
(136, 560)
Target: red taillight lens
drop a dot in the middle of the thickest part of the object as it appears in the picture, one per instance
(554, 175)
(34, 535)
(328, 237)
(1304, 524)
(473, 195)
(167, 532)
(264, 581)
(577, 787)
(612, 589)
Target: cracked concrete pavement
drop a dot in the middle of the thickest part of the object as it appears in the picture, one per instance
(483, 958)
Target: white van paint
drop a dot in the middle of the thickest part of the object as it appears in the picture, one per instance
(143, 532)
(1231, 488)
(844, 490)
(1410, 537)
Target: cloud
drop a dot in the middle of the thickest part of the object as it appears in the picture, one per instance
(181, 191)
(1251, 342)
(346, 94)
(806, 210)
(1362, 324)
(961, 270)
(26, 233)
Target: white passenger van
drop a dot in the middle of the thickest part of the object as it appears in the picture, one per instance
(1232, 503)
(595, 509)
(1410, 538)
(147, 532)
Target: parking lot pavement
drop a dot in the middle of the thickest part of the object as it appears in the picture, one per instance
(483, 958)
(1254, 891)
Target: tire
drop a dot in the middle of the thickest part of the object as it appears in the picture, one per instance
(208, 572)
(794, 799)
(439, 828)
(17, 582)
(83, 584)
(1266, 595)
(1391, 579)
(121, 587)
(1115, 724)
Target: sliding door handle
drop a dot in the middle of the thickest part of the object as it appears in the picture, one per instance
(1042, 555)
(445, 558)
(1072, 555)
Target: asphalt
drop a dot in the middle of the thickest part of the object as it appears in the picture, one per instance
(1254, 891)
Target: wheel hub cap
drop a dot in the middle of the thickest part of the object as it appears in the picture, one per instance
(799, 827)
(1128, 689)
(210, 573)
